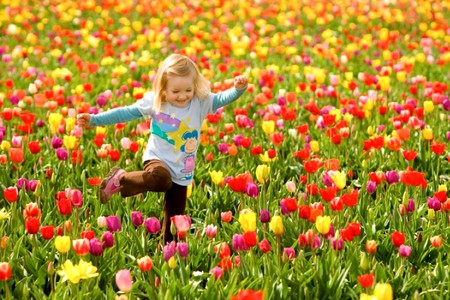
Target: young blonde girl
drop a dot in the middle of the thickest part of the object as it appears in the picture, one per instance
(178, 105)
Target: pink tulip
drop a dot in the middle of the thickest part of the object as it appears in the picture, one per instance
(125, 143)
(211, 231)
(123, 280)
(217, 272)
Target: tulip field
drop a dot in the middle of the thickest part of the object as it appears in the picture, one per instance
(327, 179)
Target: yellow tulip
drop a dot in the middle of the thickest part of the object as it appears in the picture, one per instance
(428, 106)
(427, 134)
(339, 179)
(70, 141)
(365, 296)
(62, 243)
(323, 224)
(216, 177)
(172, 262)
(5, 146)
(276, 225)
(314, 146)
(189, 191)
(247, 219)
(385, 83)
(262, 173)
(4, 215)
(54, 119)
(383, 291)
(268, 126)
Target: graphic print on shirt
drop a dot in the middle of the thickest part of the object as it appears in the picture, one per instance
(189, 148)
(169, 129)
(183, 138)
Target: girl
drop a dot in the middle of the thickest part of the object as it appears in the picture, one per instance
(179, 103)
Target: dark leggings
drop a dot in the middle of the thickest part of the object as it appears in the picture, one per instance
(155, 177)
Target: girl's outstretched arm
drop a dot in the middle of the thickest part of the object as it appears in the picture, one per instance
(112, 116)
(230, 95)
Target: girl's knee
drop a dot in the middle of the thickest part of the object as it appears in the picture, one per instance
(162, 178)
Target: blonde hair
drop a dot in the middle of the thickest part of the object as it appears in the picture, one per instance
(178, 65)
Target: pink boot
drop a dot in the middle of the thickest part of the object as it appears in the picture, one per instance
(110, 185)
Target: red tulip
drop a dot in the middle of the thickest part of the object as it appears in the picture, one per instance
(351, 199)
(398, 238)
(64, 207)
(311, 166)
(5, 271)
(409, 155)
(223, 249)
(32, 225)
(47, 232)
(239, 183)
(145, 263)
(34, 147)
(248, 294)
(81, 246)
(250, 238)
(366, 280)
(11, 194)
(413, 178)
(16, 155)
(114, 154)
(31, 210)
(437, 147)
(94, 181)
(77, 156)
(328, 194)
(264, 246)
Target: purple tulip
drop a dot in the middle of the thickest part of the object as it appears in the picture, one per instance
(95, 247)
(152, 225)
(411, 206)
(113, 223)
(392, 177)
(371, 187)
(108, 239)
(251, 189)
(217, 272)
(40, 123)
(22, 183)
(338, 244)
(223, 148)
(136, 218)
(76, 197)
(237, 140)
(169, 250)
(182, 249)
(284, 209)
(56, 142)
(62, 154)
(434, 203)
(264, 216)
(239, 243)
(404, 250)
(289, 253)
(32, 184)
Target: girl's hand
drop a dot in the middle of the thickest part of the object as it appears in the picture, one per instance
(240, 81)
(83, 120)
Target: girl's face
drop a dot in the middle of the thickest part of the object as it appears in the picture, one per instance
(179, 90)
